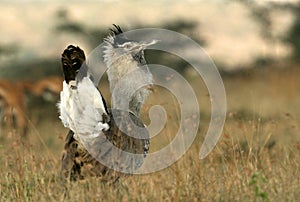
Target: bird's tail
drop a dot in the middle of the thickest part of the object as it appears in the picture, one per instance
(72, 59)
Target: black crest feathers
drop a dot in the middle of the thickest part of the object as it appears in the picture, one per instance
(117, 36)
(116, 30)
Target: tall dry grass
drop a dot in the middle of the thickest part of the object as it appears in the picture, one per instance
(256, 159)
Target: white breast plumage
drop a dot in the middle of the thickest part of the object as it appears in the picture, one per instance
(81, 108)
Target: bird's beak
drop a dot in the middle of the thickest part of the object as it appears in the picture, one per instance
(144, 45)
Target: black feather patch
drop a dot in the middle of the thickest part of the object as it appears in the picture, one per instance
(72, 59)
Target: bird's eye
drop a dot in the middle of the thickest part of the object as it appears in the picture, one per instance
(127, 46)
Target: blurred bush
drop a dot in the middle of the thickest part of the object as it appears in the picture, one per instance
(293, 37)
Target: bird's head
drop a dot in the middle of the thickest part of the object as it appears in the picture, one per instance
(118, 46)
(72, 59)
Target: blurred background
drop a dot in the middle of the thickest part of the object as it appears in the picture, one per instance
(254, 44)
(237, 34)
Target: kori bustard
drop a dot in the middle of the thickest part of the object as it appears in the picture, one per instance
(84, 112)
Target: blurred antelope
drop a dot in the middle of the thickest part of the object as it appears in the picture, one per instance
(13, 106)
(42, 87)
(12, 98)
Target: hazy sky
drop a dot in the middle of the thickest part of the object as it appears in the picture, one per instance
(233, 36)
